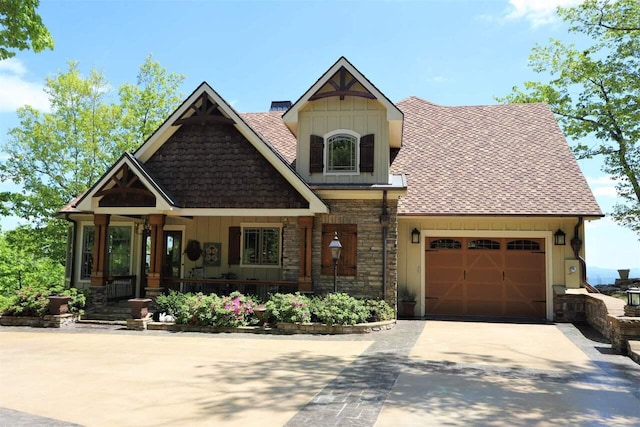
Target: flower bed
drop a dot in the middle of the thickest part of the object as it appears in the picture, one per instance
(281, 313)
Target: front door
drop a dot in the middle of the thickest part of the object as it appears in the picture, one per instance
(172, 262)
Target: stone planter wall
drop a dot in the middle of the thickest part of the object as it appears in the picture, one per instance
(48, 321)
(602, 312)
(285, 328)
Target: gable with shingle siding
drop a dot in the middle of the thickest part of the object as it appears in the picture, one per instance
(214, 166)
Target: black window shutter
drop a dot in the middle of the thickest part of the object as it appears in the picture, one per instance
(234, 245)
(316, 154)
(366, 153)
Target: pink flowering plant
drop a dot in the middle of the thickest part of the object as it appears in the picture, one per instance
(233, 311)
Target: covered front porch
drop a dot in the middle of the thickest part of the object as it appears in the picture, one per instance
(127, 256)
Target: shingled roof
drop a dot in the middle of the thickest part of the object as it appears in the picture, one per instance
(475, 160)
(488, 160)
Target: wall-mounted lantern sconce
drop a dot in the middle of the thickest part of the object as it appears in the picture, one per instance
(415, 236)
(559, 238)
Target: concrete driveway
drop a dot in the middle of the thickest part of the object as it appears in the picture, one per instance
(419, 373)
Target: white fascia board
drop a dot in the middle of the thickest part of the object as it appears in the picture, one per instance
(89, 203)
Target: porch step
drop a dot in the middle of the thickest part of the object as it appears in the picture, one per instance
(112, 312)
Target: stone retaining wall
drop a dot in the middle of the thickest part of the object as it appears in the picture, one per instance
(48, 321)
(602, 312)
(281, 328)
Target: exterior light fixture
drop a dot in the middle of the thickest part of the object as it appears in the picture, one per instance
(559, 238)
(633, 297)
(415, 236)
(336, 249)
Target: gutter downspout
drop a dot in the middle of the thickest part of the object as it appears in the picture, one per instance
(576, 245)
(72, 272)
(384, 220)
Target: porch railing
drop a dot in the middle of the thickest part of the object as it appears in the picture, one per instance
(120, 287)
(226, 286)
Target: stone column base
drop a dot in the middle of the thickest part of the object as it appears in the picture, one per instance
(632, 310)
(98, 296)
(139, 324)
(153, 292)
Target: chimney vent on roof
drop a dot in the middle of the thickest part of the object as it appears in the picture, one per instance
(280, 105)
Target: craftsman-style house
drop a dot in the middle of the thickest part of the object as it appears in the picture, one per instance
(476, 210)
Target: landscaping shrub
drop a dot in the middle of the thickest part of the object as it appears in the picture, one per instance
(289, 308)
(339, 309)
(171, 303)
(379, 310)
(29, 301)
(233, 311)
(196, 310)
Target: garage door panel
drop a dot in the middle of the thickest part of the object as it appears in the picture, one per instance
(484, 308)
(487, 277)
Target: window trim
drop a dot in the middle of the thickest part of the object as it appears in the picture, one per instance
(260, 225)
(325, 154)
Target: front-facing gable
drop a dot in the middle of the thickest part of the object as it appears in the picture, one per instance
(345, 128)
(126, 187)
(212, 161)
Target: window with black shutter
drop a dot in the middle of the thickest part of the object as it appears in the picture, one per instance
(366, 153)
(316, 154)
(234, 245)
(348, 236)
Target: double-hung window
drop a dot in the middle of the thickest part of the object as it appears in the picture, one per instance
(261, 245)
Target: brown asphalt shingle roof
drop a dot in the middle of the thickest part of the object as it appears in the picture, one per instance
(489, 160)
(273, 129)
(474, 160)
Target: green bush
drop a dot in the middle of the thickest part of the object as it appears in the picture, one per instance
(339, 309)
(29, 301)
(289, 308)
(197, 310)
(379, 310)
(171, 303)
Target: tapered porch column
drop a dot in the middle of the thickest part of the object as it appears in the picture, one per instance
(99, 271)
(305, 225)
(154, 278)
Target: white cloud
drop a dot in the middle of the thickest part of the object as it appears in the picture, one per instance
(16, 90)
(537, 12)
(438, 79)
(603, 185)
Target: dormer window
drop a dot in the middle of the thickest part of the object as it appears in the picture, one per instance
(342, 153)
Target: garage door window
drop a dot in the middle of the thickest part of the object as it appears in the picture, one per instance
(523, 245)
(484, 244)
(446, 244)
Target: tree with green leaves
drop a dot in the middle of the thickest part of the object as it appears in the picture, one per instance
(22, 28)
(58, 155)
(594, 91)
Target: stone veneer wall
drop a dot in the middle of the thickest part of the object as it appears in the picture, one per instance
(291, 249)
(604, 313)
(368, 280)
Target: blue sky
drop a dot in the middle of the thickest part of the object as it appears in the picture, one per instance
(453, 52)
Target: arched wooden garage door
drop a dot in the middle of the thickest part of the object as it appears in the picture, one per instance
(485, 277)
